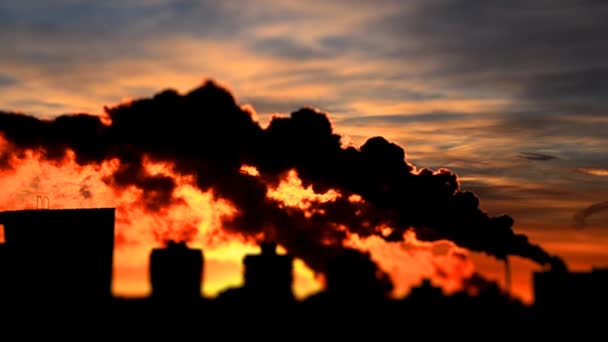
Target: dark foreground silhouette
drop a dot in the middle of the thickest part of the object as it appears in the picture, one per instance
(50, 268)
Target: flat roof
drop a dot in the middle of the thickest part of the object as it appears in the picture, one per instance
(31, 213)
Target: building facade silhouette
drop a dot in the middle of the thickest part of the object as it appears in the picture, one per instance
(570, 293)
(176, 272)
(269, 274)
(62, 254)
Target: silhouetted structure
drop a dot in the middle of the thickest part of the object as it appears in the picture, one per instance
(426, 292)
(352, 281)
(269, 274)
(569, 294)
(64, 255)
(176, 272)
(351, 276)
(4, 270)
(267, 279)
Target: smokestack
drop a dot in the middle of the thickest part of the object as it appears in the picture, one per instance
(71, 248)
(176, 272)
(269, 275)
(507, 275)
(353, 276)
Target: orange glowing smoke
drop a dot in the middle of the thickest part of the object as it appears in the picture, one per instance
(291, 193)
(407, 262)
(197, 219)
(410, 261)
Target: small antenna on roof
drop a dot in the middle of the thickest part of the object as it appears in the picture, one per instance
(42, 202)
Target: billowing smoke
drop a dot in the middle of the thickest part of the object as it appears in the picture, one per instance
(206, 134)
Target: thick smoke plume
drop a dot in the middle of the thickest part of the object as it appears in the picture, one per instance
(206, 134)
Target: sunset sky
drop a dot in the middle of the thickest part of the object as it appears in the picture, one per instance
(510, 95)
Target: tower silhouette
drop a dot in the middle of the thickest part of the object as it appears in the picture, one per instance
(269, 275)
(176, 273)
(61, 255)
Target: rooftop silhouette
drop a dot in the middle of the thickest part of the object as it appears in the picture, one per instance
(176, 272)
(267, 279)
(72, 250)
(64, 255)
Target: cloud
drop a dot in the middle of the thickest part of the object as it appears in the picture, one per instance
(284, 47)
(51, 35)
(536, 156)
(276, 104)
(545, 58)
(403, 119)
(593, 171)
(6, 81)
(34, 103)
(548, 54)
(586, 85)
(581, 216)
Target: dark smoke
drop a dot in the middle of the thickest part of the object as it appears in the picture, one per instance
(205, 133)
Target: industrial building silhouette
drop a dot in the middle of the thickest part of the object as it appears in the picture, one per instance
(65, 257)
(176, 272)
(57, 255)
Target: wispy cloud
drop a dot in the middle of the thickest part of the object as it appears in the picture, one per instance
(6, 81)
(536, 156)
(593, 171)
(580, 218)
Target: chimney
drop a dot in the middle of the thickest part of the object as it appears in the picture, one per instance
(268, 248)
(269, 274)
(176, 272)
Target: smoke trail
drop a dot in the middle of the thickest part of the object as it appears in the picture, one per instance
(206, 134)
